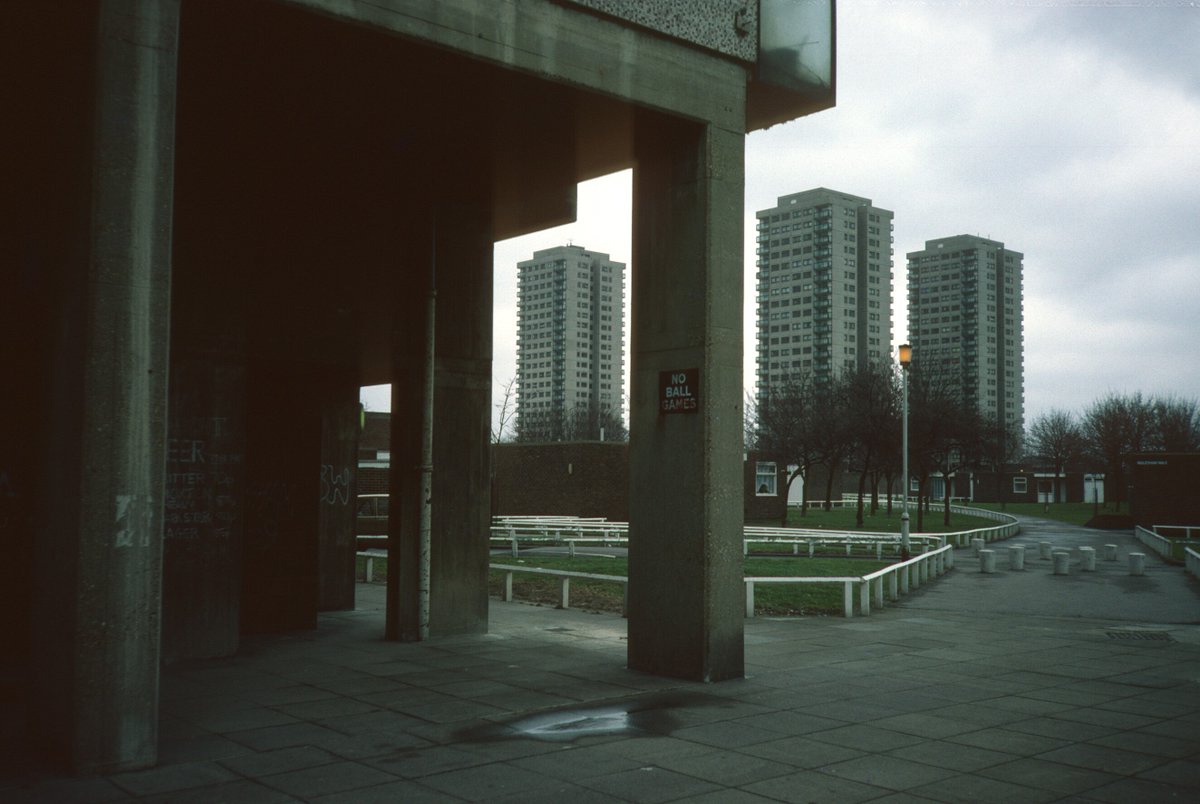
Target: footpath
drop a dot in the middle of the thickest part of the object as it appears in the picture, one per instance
(1009, 687)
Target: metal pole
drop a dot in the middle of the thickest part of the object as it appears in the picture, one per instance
(904, 463)
(423, 572)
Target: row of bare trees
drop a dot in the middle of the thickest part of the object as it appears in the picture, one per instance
(1112, 428)
(853, 423)
(580, 423)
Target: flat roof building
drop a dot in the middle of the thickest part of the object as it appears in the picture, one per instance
(966, 322)
(570, 345)
(824, 287)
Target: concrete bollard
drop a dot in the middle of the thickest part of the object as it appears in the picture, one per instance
(1087, 557)
(1110, 552)
(1016, 557)
(1062, 561)
(1044, 547)
(987, 561)
(1137, 563)
(977, 545)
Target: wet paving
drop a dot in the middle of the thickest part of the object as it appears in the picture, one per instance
(648, 714)
(1165, 594)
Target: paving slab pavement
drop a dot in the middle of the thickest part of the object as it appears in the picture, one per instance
(1018, 686)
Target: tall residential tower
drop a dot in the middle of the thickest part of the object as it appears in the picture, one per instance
(824, 287)
(570, 345)
(966, 322)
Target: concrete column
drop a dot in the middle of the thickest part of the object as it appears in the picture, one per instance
(97, 608)
(336, 526)
(283, 491)
(404, 476)
(987, 561)
(459, 244)
(1110, 552)
(685, 562)
(462, 420)
(204, 501)
(1062, 562)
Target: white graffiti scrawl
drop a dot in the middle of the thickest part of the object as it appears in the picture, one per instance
(134, 520)
(335, 485)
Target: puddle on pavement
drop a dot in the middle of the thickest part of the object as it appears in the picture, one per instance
(648, 715)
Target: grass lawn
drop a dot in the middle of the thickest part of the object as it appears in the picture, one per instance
(770, 600)
(843, 519)
(1074, 513)
(605, 596)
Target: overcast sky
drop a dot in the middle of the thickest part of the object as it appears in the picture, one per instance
(1070, 131)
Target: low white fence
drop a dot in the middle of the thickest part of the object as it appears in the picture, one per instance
(1007, 528)
(1191, 562)
(867, 542)
(1171, 548)
(1190, 532)
(556, 530)
(571, 531)
(889, 583)
(564, 582)
(900, 578)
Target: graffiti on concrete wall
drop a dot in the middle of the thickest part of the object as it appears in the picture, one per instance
(204, 468)
(335, 485)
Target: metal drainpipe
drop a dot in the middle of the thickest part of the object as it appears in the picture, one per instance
(423, 582)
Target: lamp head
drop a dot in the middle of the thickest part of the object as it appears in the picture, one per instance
(905, 354)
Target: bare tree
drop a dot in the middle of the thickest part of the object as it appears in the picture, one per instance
(1176, 424)
(1057, 439)
(1001, 446)
(584, 422)
(1114, 427)
(873, 411)
(506, 411)
(833, 432)
(944, 434)
(785, 424)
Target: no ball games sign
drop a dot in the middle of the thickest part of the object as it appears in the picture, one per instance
(679, 391)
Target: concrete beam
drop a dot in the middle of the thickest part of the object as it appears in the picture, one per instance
(565, 45)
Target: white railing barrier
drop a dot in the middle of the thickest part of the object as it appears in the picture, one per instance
(1191, 562)
(1008, 528)
(1158, 544)
(564, 586)
(797, 537)
(570, 531)
(1165, 545)
(369, 563)
(1187, 530)
(900, 578)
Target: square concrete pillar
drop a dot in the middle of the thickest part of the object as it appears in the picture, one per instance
(685, 553)
(282, 500)
(97, 603)
(336, 526)
(461, 255)
(204, 502)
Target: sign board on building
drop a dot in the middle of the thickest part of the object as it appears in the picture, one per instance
(679, 391)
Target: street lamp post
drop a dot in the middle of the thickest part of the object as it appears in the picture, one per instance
(905, 361)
